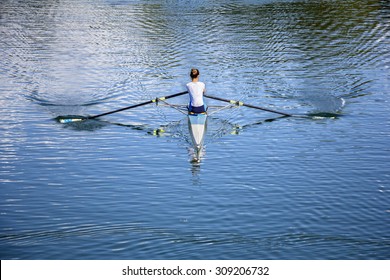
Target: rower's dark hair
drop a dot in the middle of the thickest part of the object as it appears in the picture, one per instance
(194, 73)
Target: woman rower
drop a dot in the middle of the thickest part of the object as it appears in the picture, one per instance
(196, 90)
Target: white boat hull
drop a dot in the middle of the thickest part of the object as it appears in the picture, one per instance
(197, 124)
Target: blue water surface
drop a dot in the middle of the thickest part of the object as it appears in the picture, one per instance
(124, 186)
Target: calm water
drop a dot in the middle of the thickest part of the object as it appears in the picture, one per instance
(290, 188)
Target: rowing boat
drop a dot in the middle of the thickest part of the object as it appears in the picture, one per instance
(197, 124)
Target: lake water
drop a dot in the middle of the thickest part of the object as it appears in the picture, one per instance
(124, 186)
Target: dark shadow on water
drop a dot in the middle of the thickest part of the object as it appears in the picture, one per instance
(324, 115)
(80, 123)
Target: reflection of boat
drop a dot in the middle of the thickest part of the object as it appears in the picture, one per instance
(197, 124)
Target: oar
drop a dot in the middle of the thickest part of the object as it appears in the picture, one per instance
(79, 118)
(239, 103)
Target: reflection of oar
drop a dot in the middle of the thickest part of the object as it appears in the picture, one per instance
(239, 103)
(80, 118)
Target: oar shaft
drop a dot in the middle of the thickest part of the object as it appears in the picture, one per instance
(122, 109)
(239, 103)
(138, 105)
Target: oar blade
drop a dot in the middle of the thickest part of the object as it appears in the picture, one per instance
(70, 119)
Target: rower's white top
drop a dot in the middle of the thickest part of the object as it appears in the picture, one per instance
(196, 90)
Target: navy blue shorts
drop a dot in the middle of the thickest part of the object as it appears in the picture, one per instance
(197, 110)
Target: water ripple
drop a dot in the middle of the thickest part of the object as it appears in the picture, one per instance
(183, 244)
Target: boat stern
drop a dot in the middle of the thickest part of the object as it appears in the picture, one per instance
(197, 124)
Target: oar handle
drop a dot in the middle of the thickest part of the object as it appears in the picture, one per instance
(239, 103)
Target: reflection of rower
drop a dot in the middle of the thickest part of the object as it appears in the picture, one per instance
(196, 89)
